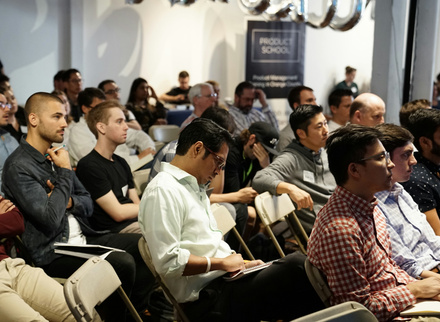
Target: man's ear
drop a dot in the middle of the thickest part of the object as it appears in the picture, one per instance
(357, 117)
(353, 170)
(425, 143)
(197, 148)
(100, 127)
(33, 119)
(333, 108)
(84, 109)
(252, 139)
(301, 133)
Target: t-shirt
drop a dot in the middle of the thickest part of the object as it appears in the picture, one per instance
(100, 175)
(177, 91)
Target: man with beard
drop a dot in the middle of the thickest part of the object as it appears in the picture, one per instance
(243, 112)
(424, 183)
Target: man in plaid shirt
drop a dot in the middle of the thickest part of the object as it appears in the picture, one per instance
(349, 242)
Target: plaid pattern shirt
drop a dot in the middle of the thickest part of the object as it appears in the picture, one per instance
(351, 246)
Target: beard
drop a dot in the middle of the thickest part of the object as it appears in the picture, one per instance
(435, 148)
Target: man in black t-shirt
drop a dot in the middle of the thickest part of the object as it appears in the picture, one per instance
(178, 95)
(107, 176)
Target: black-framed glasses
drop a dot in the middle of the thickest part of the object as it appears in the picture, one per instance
(112, 91)
(220, 162)
(385, 155)
(4, 106)
(209, 95)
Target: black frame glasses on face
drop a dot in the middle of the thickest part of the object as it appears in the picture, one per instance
(379, 157)
(220, 162)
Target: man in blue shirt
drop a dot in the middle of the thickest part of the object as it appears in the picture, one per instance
(415, 247)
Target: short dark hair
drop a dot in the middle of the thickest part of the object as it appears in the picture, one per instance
(357, 105)
(59, 75)
(346, 145)
(335, 97)
(295, 94)
(4, 78)
(301, 116)
(206, 131)
(100, 113)
(394, 136)
(105, 82)
(86, 96)
(242, 86)
(407, 109)
(183, 74)
(349, 69)
(37, 102)
(423, 122)
(220, 116)
(67, 73)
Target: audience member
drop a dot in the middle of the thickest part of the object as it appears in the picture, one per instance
(414, 245)
(178, 95)
(55, 206)
(367, 109)
(139, 103)
(107, 176)
(339, 103)
(301, 170)
(348, 83)
(407, 109)
(243, 111)
(298, 95)
(424, 183)
(188, 251)
(27, 293)
(69, 119)
(216, 87)
(82, 140)
(112, 92)
(201, 97)
(58, 84)
(349, 242)
(18, 110)
(16, 125)
(73, 81)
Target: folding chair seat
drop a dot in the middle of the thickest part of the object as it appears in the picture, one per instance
(319, 282)
(271, 209)
(164, 133)
(225, 223)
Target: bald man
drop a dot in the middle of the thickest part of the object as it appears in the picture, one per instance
(367, 109)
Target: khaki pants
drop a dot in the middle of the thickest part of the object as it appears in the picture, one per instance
(28, 294)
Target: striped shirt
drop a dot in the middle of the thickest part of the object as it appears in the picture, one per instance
(243, 121)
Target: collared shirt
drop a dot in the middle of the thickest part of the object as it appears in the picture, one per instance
(351, 246)
(243, 121)
(7, 145)
(414, 245)
(176, 220)
(424, 184)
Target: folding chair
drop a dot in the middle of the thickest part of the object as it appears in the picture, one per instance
(90, 285)
(344, 312)
(225, 223)
(140, 179)
(164, 133)
(146, 256)
(275, 208)
(319, 282)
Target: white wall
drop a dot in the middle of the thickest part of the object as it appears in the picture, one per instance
(109, 39)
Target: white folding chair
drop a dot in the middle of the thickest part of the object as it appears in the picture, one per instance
(344, 312)
(164, 133)
(146, 256)
(271, 209)
(319, 282)
(90, 285)
(225, 223)
(140, 179)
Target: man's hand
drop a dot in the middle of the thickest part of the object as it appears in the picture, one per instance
(301, 197)
(179, 97)
(232, 263)
(146, 152)
(51, 187)
(428, 288)
(261, 154)
(60, 158)
(259, 94)
(5, 205)
(246, 195)
(253, 263)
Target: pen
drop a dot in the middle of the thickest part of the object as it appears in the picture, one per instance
(63, 146)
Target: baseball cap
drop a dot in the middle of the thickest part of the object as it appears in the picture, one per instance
(266, 134)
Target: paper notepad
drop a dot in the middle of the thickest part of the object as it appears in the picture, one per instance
(423, 307)
(236, 275)
(85, 251)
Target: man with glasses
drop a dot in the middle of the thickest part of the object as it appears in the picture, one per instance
(7, 143)
(73, 82)
(349, 242)
(201, 97)
(187, 248)
(243, 111)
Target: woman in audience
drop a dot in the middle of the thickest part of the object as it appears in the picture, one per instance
(348, 83)
(139, 103)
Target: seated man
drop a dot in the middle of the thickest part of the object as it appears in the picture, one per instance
(407, 109)
(424, 183)
(188, 251)
(414, 245)
(243, 111)
(339, 102)
(178, 95)
(298, 95)
(301, 170)
(82, 140)
(26, 293)
(201, 97)
(7, 143)
(106, 175)
(367, 109)
(349, 242)
(55, 205)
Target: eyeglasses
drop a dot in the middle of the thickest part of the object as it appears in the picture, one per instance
(220, 162)
(4, 106)
(385, 155)
(209, 95)
(112, 91)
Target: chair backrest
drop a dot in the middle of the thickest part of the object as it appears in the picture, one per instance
(319, 282)
(140, 179)
(89, 286)
(224, 220)
(146, 256)
(164, 133)
(274, 208)
(344, 312)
